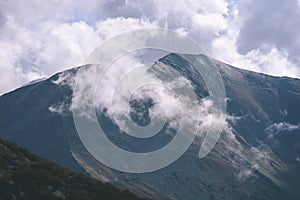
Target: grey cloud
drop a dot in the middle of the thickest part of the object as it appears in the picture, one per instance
(2, 19)
(40, 38)
(42, 34)
(203, 20)
(131, 8)
(30, 12)
(270, 23)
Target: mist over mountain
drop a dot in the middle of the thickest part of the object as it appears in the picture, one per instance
(257, 156)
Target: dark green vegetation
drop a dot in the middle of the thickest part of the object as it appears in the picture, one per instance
(26, 176)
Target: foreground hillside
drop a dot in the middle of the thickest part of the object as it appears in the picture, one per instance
(26, 176)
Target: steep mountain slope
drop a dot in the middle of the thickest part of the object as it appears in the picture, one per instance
(26, 176)
(257, 156)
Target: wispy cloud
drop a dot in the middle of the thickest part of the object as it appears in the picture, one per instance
(60, 108)
(277, 128)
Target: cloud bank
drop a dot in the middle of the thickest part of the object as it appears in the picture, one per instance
(40, 38)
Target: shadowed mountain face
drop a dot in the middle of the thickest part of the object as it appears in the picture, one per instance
(26, 176)
(257, 156)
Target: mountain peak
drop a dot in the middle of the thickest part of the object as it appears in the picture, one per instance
(257, 156)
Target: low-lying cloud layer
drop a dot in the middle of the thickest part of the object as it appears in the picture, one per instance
(38, 39)
(126, 80)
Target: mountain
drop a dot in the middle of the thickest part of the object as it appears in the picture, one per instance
(256, 157)
(26, 176)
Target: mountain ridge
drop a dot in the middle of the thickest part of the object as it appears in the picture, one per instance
(36, 81)
(245, 154)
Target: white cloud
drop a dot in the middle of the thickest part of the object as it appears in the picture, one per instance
(43, 51)
(276, 128)
(260, 155)
(38, 39)
(271, 61)
(60, 109)
(113, 26)
(52, 47)
(243, 174)
(212, 23)
(265, 58)
(270, 23)
(115, 102)
(136, 84)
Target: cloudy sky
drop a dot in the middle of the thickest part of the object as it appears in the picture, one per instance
(40, 38)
